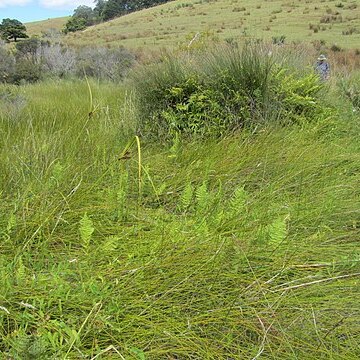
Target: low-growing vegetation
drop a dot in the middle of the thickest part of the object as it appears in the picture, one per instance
(234, 246)
(202, 205)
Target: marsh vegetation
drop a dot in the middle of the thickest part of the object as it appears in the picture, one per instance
(196, 207)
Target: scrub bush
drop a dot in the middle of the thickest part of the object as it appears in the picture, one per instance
(225, 89)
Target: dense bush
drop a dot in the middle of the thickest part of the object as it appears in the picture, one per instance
(35, 59)
(221, 91)
(26, 71)
(57, 60)
(104, 64)
(7, 64)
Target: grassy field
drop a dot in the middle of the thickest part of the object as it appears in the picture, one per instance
(117, 248)
(174, 24)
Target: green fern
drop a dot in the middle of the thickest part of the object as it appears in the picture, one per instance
(57, 174)
(238, 201)
(110, 244)
(174, 150)
(186, 198)
(228, 215)
(160, 190)
(11, 223)
(202, 198)
(139, 354)
(20, 271)
(86, 230)
(277, 231)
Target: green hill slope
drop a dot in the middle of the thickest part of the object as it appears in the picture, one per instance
(177, 22)
(40, 27)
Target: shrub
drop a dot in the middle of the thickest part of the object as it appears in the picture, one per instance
(350, 31)
(35, 59)
(335, 48)
(28, 48)
(279, 40)
(7, 65)
(26, 71)
(295, 98)
(221, 91)
(74, 24)
(105, 64)
(57, 60)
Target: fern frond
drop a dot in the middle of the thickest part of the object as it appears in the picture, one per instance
(86, 230)
(20, 271)
(186, 197)
(174, 150)
(277, 231)
(202, 198)
(110, 244)
(238, 200)
(11, 223)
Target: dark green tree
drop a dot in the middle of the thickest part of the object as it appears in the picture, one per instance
(99, 8)
(107, 10)
(74, 24)
(85, 12)
(114, 8)
(12, 29)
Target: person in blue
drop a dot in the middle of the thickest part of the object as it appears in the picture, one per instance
(322, 67)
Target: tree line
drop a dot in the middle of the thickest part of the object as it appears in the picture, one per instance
(105, 10)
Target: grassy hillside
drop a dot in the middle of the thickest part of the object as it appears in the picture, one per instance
(41, 27)
(175, 23)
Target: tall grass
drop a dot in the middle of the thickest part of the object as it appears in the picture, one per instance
(244, 247)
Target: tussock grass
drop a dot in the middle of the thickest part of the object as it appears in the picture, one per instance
(241, 248)
(223, 89)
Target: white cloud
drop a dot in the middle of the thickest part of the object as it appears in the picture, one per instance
(63, 4)
(4, 3)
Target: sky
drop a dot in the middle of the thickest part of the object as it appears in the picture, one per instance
(34, 10)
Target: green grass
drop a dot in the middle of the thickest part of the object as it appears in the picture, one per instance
(240, 248)
(175, 23)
